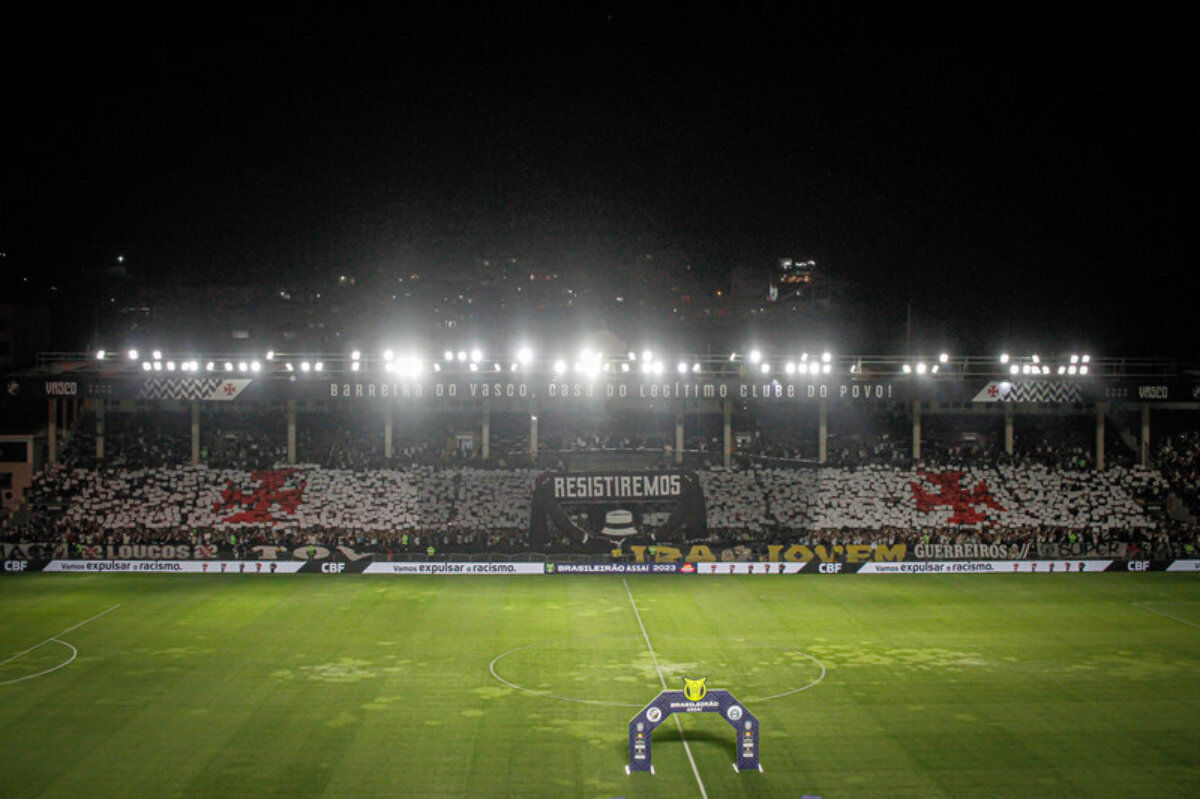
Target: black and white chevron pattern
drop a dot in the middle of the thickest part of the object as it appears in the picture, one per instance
(1054, 391)
(178, 388)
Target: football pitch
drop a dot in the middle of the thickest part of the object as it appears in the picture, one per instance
(996, 685)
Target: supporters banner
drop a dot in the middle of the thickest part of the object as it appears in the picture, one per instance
(174, 566)
(616, 506)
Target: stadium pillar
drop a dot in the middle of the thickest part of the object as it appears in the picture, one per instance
(100, 406)
(679, 433)
(387, 433)
(291, 432)
(533, 452)
(52, 431)
(916, 434)
(195, 432)
(1008, 428)
(486, 437)
(1145, 451)
(1101, 410)
(727, 414)
(823, 431)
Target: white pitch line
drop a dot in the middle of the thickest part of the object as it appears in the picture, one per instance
(1168, 615)
(663, 680)
(54, 638)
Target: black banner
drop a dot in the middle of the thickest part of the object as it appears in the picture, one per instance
(617, 506)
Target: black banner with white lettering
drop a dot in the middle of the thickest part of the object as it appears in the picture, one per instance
(668, 506)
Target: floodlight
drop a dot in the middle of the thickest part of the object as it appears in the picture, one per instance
(99, 355)
(228, 366)
(145, 366)
(255, 366)
(766, 368)
(1014, 369)
(243, 366)
(318, 366)
(943, 358)
(447, 356)
(826, 368)
(826, 357)
(305, 366)
(270, 355)
(158, 366)
(476, 355)
(755, 356)
(1004, 357)
(1086, 359)
(921, 368)
(524, 355)
(170, 366)
(132, 355)
(1074, 358)
(1072, 370)
(790, 368)
(560, 366)
(462, 355)
(682, 368)
(356, 355)
(696, 367)
(1083, 370)
(388, 355)
(647, 355)
(907, 369)
(354, 366)
(157, 355)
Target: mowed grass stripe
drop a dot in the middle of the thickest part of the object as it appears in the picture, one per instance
(1006, 685)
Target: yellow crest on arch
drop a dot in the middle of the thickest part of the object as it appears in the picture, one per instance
(694, 690)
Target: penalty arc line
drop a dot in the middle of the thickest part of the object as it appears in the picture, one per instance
(663, 680)
(54, 639)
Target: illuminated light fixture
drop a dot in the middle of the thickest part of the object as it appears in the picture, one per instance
(389, 355)
(1083, 370)
(907, 368)
(790, 368)
(228, 366)
(934, 368)
(814, 368)
(1062, 369)
(289, 367)
(512, 367)
(826, 357)
(1045, 370)
(354, 366)
(356, 355)
(389, 367)
(647, 367)
(853, 368)
(318, 366)
(447, 356)
(146, 366)
(681, 367)
(755, 356)
(524, 355)
(826, 368)
(476, 355)
(1004, 357)
(1074, 358)
(132, 354)
(158, 366)
(647, 355)
(1086, 359)
(243, 366)
(1035, 359)
(255, 366)
(606, 367)
(658, 367)
(1014, 369)
(99, 355)
(305, 366)
(270, 355)
(804, 357)
(474, 367)
(944, 358)
(696, 367)
(921, 368)
(157, 355)
(1025, 369)
(1072, 369)
(624, 367)
(560, 366)
(496, 367)
(462, 355)
(437, 367)
(170, 366)
(766, 368)
(733, 356)
(210, 366)
(631, 356)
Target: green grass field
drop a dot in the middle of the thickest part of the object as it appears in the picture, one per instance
(1005, 685)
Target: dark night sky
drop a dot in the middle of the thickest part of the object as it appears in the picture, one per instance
(1027, 173)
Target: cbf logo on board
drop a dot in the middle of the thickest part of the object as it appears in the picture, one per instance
(694, 690)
